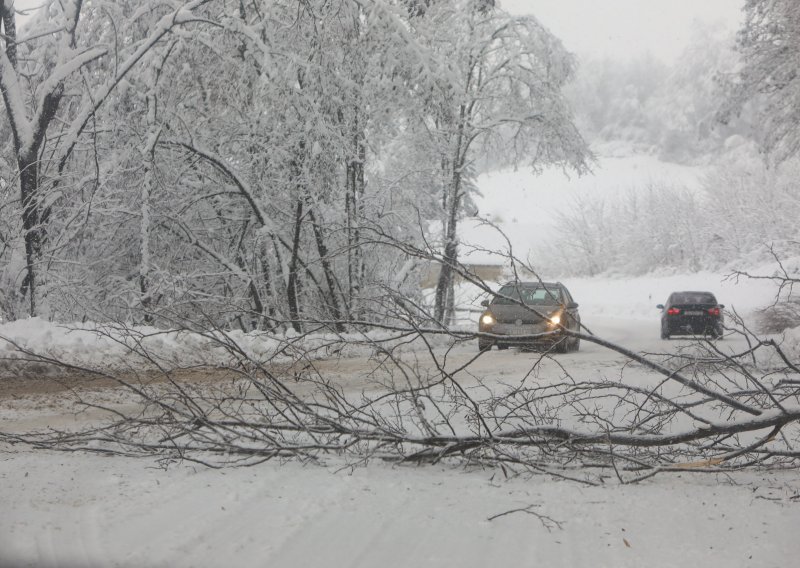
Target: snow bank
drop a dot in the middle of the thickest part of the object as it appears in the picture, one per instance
(94, 345)
(118, 347)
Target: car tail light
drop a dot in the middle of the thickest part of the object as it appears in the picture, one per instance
(673, 311)
(713, 311)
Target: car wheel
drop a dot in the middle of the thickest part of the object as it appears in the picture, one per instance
(576, 344)
(664, 333)
(484, 345)
(562, 346)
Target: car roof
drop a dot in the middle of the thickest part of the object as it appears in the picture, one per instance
(682, 295)
(535, 284)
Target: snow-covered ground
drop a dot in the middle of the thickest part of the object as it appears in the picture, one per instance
(72, 511)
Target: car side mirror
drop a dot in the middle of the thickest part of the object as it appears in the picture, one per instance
(572, 305)
(721, 306)
(660, 306)
(485, 303)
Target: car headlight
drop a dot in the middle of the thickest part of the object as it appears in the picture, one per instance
(555, 319)
(488, 319)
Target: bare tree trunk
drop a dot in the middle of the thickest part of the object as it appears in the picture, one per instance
(145, 297)
(444, 300)
(330, 277)
(266, 277)
(34, 233)
(292, 282)
(354, 208)
(252, 286)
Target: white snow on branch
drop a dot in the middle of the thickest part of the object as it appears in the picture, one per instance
(12, 92)
(53, 82)
(162, 28)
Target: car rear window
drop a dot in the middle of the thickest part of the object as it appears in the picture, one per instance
(528, 295)
(694, 298)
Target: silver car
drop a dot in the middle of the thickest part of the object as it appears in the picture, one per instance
(520, 310)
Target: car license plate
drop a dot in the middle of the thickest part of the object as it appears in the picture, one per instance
(693, 313)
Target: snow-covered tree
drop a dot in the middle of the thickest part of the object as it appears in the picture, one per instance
(53, 78)
(770, 45)
(502, 96)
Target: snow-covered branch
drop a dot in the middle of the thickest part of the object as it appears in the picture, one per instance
(163, 27)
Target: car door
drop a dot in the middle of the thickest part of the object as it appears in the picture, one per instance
(571, 307)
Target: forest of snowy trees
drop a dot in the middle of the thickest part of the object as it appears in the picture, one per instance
(258, 161)
(268, 162)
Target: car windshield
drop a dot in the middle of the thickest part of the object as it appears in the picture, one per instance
(695, 298)
(516, 294)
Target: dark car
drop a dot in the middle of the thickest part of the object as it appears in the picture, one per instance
(691, 313)
(528, 308)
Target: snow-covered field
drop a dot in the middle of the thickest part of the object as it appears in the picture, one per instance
(72, 509)
(524, 207)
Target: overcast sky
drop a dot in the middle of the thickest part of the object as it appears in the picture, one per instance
(621, 28)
